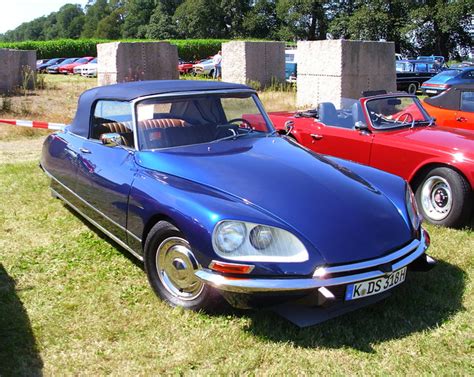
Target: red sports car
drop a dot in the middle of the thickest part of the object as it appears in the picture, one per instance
(185, 67)
(453, 107)
(69, 68)
(395, 133)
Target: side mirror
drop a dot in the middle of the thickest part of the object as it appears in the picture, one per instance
(111, 139)
(289, 125)
(361, 126)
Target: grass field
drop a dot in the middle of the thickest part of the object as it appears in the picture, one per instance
(72, 302)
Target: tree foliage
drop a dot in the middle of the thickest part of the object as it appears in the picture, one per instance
(416, 26)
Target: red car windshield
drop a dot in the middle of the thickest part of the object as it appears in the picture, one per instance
(394, 112)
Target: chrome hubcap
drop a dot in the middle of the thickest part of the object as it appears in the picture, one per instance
(436, 198)
(175, 264)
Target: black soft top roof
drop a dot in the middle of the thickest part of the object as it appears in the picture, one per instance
(449, 99)
(132, 90)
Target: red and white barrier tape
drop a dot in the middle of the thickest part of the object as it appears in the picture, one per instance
(34, 124)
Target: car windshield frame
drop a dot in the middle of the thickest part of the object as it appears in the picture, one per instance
(189, 94)
(427, 121)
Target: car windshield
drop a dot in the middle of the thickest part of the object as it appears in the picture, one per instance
(82, 60)
(93, 61)
(180, 121)
(404, 67)
(68, 61)
(397, 111)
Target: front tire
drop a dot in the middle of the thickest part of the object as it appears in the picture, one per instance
(170, 265)
(444, 198)
(412, 88)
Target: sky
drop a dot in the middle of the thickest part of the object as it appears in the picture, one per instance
(15, 12)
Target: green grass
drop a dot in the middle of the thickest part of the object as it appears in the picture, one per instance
(72, 302)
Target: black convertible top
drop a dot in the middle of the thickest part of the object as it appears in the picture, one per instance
(449, 99)
(132, 90)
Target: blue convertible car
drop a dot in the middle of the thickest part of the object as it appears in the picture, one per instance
(192, 179)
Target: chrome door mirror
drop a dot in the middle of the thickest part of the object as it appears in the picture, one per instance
(111, 139)
(289, 125)
(361, 126)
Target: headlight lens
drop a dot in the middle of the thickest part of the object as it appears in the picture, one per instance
(261, 237)
(244, 241)
(412, 208)
(230, 236)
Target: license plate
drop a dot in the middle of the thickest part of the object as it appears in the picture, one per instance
(374, 286)
(431, 91)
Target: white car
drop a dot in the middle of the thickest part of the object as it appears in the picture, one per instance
(87, 70)
(206, 67)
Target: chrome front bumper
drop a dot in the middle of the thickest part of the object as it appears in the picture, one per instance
(350, 273)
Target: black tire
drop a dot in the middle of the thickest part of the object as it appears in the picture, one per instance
(444, 197)
(160, 237)
(412, 88)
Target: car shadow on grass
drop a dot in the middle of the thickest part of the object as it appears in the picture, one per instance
(424, 302)
(19, 353)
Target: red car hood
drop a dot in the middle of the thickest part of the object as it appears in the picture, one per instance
(442, 139)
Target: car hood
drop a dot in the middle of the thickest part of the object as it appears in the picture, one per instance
(445, 140)
(338, 212)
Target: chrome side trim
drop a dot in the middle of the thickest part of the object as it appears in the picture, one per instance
(97, 225)
(252, 285)
(90, 206)
(375, 262)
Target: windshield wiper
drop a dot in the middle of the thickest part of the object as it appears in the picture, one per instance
(233, 137)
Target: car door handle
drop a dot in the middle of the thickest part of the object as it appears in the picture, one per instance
(85, 150)
(461, 119)
(316, 136)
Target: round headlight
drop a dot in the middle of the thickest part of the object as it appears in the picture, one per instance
(230, 235)
(261, 237)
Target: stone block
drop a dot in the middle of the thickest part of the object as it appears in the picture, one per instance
(331, 70)
(136, 61)
(17, 66)
(263, 62)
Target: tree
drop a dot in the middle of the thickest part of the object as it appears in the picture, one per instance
(137, 15)
(70, 20)
(95, 12)
(303, 19)
(439, 27)
(262, 21)
(161, 24)
(200, 19)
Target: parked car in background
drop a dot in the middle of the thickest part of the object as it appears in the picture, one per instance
(44, 66)
(393, 132)
(291, 65)
(444, 80)
(185, 67)
(454, 107)
(439, 58)
(40, 62)
(87, 70)
(411, 74)
(178, 174)
(53, 69)
(399, 57)
(69, 68)
(205, 67)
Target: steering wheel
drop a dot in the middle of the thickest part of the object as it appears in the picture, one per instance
(407, 118)
(242, 120)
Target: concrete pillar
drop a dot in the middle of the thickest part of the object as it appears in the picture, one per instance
(253, 61)
(331, 70)
(136, 61)
(16, 65)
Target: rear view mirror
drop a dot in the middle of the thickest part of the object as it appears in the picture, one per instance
(394, 102)
(111, 139)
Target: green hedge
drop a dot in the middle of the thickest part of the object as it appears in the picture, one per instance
(188, 49)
